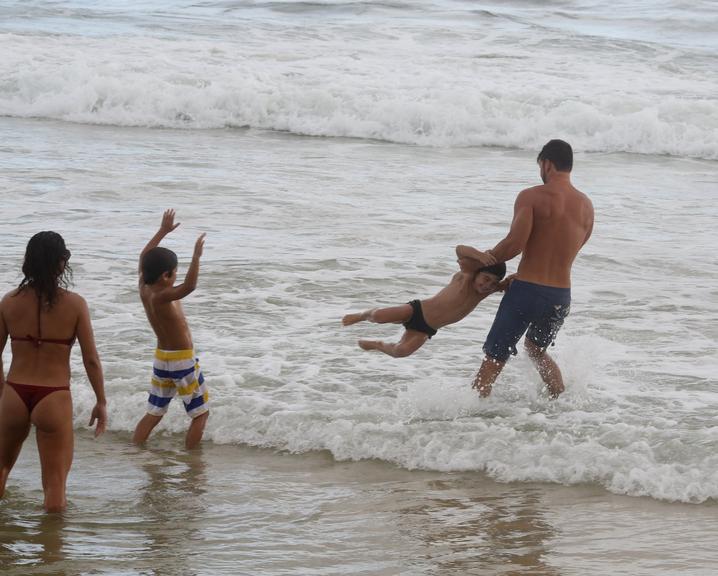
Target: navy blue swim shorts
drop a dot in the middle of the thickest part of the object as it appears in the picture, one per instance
(527, 306)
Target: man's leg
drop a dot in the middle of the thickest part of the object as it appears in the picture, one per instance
(547, 368)
(409, 343)
(144, 428)
(486, 376)
(394, 314)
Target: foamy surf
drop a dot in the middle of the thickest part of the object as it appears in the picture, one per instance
(372, 79)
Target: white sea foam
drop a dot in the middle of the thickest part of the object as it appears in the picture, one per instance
(481, 82)
(302, 230)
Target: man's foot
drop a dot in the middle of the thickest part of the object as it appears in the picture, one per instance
(350, 319)
(555, 392)
(484, 391)
(369, 344)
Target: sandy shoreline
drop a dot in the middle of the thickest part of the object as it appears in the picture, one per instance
(240, 510)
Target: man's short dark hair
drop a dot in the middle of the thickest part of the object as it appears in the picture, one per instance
(156, 262)
(498, 270)
(559, 153)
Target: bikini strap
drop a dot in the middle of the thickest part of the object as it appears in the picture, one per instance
(37, 340)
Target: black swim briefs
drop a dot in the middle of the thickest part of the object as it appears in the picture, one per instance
(417, 322)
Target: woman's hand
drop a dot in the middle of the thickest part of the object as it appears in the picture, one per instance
(99, 414)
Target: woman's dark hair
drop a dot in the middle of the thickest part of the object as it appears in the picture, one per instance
(156, 262)
(45, 267)
(559, 153)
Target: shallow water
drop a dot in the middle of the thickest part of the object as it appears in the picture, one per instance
(426, 118)
(235, 510)
(302, 230)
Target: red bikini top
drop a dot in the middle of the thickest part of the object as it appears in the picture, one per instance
(36, 341)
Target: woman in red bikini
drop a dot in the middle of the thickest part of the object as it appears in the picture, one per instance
(43, 319)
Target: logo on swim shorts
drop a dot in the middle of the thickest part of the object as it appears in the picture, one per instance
(560, 311)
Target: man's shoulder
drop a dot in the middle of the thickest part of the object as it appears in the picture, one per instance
(530, 195)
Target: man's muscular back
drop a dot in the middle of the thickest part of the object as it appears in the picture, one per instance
(562, 220)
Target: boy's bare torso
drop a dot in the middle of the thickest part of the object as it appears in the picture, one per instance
(167, 320)
(562, 221)
(453, 302)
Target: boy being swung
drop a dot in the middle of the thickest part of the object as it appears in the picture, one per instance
(176, 370)
(422, 318)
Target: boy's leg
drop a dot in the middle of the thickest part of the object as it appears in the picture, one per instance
(409, 343)
(394, 314)
(194, 394)
(144, 428)
(14, 427)
(350, 319)
(162, 391)
(195, 431)
(548, 369)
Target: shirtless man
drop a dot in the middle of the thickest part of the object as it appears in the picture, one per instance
(422, 318)
(551, 223)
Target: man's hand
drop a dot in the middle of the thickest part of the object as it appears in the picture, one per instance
(483, 258)
(199, 245)
(168, 222)
(99, 414)
(505, 283)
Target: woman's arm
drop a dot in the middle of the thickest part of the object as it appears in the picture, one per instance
(3, 343)
(93, 367)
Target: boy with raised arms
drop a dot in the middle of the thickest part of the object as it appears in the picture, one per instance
(176, 370)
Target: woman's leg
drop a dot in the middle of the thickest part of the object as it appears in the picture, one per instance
(55, 442)
(14, 427)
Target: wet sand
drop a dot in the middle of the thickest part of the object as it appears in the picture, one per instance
(239, 510)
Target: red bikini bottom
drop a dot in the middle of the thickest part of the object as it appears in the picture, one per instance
(31, 395)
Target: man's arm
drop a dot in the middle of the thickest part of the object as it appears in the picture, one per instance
(590, 224)
(483, 258)
(167, 226)
(470, 259)
(515, 241)
(190, 280)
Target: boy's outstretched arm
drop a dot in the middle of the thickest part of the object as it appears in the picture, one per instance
(470, 259)
(190, 280)
(167, 226)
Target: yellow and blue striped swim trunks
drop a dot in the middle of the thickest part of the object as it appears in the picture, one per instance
(177, 372)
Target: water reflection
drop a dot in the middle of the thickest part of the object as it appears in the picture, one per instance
(31, 540)
(172, 509)
(465, 531)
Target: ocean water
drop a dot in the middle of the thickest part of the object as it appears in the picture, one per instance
(335, 153)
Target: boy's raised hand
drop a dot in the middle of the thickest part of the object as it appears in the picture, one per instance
(168, 221)
(199, 245)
